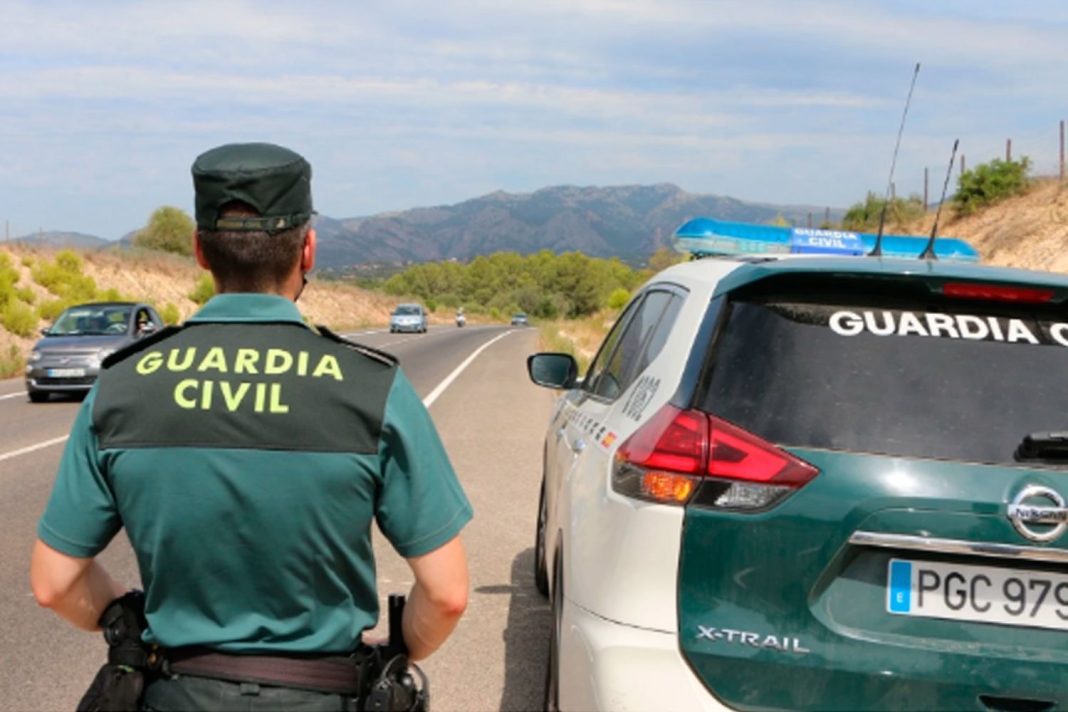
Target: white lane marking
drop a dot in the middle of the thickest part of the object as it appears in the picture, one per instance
(13, 395)
(31, 448)
(350, 334)
(426, 401)
(459, 369)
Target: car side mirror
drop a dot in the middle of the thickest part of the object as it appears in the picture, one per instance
(45, 331)
(553, 370)
(145, 329)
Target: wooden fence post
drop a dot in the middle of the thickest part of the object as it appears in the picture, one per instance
(1062, 150)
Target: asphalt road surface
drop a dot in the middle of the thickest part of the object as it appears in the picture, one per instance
(492, 420)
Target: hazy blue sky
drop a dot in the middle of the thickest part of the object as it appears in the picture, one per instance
(104, 105)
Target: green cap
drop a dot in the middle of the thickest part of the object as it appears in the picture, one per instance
(273, 180)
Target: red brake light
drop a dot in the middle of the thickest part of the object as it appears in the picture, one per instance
(997, 292)
(665, 459)
(673, 440)
(740, 455)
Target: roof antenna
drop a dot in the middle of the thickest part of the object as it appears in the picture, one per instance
(928, 252)
(877, 251)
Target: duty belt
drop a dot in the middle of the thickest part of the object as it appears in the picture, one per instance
(336, 674)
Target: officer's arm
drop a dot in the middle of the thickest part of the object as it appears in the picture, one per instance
(438, 598)
(77, 589)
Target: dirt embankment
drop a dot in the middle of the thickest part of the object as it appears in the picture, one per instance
(1028, 231)
(161, 278)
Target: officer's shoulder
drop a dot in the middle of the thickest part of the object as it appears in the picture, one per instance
(363, 349)
(140, 345)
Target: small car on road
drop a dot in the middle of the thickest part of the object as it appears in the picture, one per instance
(520, 319)
(812, 481)
(408, 317)
(67, 359)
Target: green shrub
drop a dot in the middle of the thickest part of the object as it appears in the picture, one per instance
(18, 318)
(11, 363)
(991, 182)
(8, 277)
(170, 314)
(64, 278)
(203, 290)
(865, 215)
(25, 295)
(27, 261)
(618, 298)
(51, 309)
(431, 305)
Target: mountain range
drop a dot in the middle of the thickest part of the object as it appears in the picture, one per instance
(628, 222)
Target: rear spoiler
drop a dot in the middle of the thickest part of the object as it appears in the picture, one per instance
(705, 237)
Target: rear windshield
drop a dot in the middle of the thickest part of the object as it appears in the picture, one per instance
(959, 381)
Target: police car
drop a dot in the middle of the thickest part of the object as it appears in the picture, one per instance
(798, 477)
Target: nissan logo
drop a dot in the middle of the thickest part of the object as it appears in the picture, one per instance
(1033, 506)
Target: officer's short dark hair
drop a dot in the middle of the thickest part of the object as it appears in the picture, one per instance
(251, 260)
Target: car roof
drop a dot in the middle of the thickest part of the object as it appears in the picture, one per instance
(105, 304)
(728, 274)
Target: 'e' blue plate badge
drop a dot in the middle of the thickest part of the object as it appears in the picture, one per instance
(899, 595)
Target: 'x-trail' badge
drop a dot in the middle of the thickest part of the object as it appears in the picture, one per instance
(1032, 506)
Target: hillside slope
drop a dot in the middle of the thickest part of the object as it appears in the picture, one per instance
(1028, 231)
(161, 278)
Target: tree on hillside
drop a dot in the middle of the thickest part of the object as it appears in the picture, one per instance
(864, 216)
(664, 257)
(168, 229)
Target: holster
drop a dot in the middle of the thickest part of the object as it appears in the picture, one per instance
(394, 688)
(120, 682)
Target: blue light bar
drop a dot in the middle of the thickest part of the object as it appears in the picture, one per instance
(704, 236)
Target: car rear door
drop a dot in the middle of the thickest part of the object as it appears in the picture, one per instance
(925, 564)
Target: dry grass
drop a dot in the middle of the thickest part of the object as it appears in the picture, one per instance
(578, 337)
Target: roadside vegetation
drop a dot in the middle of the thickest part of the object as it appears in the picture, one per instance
(572, 298)
(990, 183)
(900, 212)
(543, 285)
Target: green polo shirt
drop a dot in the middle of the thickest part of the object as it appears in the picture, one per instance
(247, 455)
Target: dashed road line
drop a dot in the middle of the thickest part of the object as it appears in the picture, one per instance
(33, 448)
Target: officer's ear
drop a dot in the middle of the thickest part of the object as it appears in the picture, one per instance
(307, 253)
(198, 250)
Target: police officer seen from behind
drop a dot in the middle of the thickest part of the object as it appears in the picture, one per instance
(247, 454)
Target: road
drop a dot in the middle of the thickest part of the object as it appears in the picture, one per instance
(492, 421)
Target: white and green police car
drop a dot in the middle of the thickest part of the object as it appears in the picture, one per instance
(798, 477)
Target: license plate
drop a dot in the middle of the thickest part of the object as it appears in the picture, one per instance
(66, 372)
(984, 594)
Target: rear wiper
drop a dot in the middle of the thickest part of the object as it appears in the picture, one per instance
(1043, 446)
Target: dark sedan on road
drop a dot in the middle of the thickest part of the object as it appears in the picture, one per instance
(68, 358)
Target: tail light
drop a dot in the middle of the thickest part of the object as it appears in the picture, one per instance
(680, 456)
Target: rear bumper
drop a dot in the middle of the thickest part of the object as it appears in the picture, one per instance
(609, 666)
